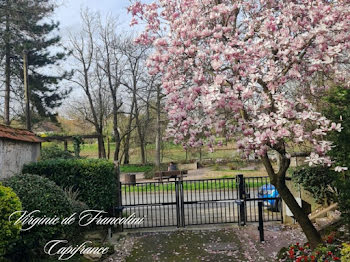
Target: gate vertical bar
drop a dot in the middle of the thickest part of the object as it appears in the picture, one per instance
(241, 195)
(182, 196)
(281, 208)
(177, 203)
(261, 221)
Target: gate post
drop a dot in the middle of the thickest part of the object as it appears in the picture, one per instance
(241, 197)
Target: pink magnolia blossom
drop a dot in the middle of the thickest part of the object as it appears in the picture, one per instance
(244, 64)
(340, 169)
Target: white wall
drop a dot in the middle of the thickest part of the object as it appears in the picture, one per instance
(14, 154)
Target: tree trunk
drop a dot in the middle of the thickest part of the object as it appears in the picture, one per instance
(115, 118)
(308, 228)
(126, 150)
(128, 136)
(158, 139)
(139, 132)
(116, 131)
(7, 72)
(108, 148)
(142, 146)
(117, 147)
(101, 147)
(279, 181)
(158, 135)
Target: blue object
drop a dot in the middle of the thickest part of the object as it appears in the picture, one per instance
(271, 194)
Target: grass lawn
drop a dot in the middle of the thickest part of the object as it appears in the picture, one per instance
(189, 185)
(135, 168)
(170, 152)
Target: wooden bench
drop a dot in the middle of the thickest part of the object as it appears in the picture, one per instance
(170, 174)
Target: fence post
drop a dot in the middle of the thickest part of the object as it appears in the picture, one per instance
(119, 194)
(261, 221)
(241, 196)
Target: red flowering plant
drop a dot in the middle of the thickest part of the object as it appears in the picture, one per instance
(326, 253)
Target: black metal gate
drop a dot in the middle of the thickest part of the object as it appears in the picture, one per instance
(197, 202)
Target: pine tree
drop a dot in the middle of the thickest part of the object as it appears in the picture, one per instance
(24, 27)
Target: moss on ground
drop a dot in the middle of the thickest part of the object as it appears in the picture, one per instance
(193, 246)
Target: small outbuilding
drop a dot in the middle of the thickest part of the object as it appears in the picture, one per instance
(17, 147)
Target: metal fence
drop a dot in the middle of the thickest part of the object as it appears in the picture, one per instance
(197, 202)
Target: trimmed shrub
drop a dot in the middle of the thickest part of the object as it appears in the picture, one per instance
(94, 178)
(54, 152)
(9, 203)
(39, 193)
(345, 253)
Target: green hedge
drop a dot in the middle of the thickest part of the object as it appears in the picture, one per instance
(54, 152)
(94, 178)
(9, 203)
(39, 193)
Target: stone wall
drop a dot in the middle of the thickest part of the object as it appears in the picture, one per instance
(14, 154)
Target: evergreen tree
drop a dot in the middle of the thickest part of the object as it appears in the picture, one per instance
(25, 27)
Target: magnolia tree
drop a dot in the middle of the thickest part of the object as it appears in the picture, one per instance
(244, 66)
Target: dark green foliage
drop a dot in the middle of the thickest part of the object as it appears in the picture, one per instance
(39, 193)
(94, 178)
(24, 27)
(319, 181)
(344, 198)
(54, 152)
(77, 141)
(9, 232)
(338, 107)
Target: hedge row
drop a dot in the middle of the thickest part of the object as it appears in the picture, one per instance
(38, 193)
(93, 178)
(9, 203)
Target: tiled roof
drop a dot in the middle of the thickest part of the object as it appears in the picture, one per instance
(18, 134)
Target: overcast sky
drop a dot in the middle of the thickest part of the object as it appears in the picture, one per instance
(68, 13)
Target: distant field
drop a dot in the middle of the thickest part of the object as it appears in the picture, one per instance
(170, 152)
